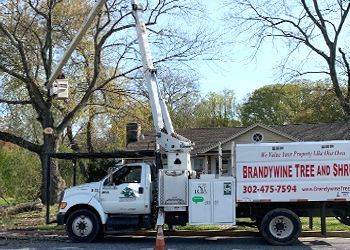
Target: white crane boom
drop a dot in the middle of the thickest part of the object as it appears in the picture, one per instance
(90, 18)
(176, 146)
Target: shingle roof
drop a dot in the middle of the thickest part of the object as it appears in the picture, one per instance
(205, 138)
(202, 138)
(317, 131)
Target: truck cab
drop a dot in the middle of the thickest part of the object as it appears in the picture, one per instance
(120, 201)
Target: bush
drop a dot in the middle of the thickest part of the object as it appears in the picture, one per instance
(20, 174)
(88, 170)
(67, 171)
(97, 169)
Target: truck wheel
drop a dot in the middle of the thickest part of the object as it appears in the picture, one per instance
(83, 226)
(280, 227)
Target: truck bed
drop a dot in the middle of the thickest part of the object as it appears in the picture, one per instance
(293, 172)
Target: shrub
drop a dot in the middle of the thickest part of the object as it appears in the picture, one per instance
(20, 174)
(97, 169)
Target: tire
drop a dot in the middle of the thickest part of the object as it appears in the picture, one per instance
(280, 227)
(83, 226)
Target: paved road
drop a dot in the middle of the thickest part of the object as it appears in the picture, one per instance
(176, 243)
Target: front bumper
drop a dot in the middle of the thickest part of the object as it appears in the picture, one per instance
(60, 218)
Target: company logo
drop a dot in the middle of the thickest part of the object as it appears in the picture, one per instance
(128, 195)
(201, 188)
(128, 192)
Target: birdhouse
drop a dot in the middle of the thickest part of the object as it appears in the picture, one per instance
(59, 88)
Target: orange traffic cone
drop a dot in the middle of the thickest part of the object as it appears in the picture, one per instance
(160, 243)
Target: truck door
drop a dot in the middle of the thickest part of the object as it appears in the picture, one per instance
(126, 191)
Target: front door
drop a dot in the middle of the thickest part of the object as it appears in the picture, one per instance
(124, 191)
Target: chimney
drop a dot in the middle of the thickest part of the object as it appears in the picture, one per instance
(133, 132)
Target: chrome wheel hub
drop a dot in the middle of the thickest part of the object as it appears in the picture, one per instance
(82, 226)
(281, 227)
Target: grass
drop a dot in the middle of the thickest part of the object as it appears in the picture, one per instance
(199, 228)
(50, 228)
(36, 221)
(332, 225)
(4, 202)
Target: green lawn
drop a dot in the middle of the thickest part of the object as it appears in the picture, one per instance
(332, 225)
(36, 221)
(4, 202)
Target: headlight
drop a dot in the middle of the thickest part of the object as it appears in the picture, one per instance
(63, 205)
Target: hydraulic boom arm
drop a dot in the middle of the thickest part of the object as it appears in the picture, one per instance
(177, 147)
(94, 11)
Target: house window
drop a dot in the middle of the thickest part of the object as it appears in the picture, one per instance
(257, 137)
(225, 165)
(198, 164)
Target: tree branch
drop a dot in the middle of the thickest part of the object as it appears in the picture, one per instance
(35, 8)
(14, 102)
(7, 137)
(347, 70)
(321, 25)
(341, 23)
(35, 95)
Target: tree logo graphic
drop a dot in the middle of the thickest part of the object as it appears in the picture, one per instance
(128, 192)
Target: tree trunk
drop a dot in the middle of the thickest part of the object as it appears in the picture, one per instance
(89, 132)
(53, 179)
(21, 208)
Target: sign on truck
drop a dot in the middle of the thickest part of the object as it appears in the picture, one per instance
(302, 171)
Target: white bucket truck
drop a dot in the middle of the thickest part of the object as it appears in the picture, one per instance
(273, 184)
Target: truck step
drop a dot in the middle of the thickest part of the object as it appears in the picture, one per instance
(127, 222)
(123, 220)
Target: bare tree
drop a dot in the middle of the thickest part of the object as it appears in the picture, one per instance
(315, 31)
(175, 86)
(33, 35)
